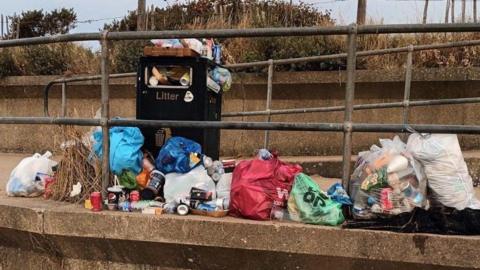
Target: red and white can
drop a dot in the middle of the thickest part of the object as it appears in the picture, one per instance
(134, 196)
(386, 199)
(96, 200)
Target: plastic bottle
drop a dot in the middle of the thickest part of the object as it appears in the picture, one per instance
(207, 161)
(264, 154)
(204, 48)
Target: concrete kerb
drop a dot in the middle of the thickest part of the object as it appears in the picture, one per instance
(72, 223)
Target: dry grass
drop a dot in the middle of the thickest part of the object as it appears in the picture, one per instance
(452, 57)
(206, 14)
(255, 49)
(74, 167)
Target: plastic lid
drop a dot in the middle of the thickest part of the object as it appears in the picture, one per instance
(116, 188)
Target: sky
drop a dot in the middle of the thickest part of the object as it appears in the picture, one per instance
(344, 11)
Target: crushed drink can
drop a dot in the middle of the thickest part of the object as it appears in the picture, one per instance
(386, 198)
(134, 196)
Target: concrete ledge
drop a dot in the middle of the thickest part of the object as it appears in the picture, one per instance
(70, 232)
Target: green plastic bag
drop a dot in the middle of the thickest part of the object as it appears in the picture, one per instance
(309, 204)
(128, 179)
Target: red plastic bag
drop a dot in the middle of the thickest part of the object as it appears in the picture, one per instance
(257, 184)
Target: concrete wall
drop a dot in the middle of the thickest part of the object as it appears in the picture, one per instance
(22, 96)
(42, 234)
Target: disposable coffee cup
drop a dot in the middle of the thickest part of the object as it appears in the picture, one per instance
(114, 194)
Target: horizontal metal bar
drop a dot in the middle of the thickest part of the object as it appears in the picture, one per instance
(232, 33)
(284, 126)
(213, 33)
(50, 39)
(359, 54)
(289, 61)
(50, 121)
(417, 28)
(451, 129)
(416, 103)
(93, 77)
(252, 32)
(229, 125)
(303, 59)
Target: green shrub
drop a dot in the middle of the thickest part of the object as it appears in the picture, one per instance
(8, 67)
(126, 54)
(45, 60)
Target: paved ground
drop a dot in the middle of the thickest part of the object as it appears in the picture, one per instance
(7, 163)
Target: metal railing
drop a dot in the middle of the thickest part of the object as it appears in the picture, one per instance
(406, 103)
(347, 127)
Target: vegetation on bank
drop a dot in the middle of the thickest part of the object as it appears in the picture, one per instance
(205, 14)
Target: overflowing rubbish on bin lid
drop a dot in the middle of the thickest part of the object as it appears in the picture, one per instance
(218, 78)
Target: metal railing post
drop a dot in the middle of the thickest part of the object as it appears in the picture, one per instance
(269, 101)
(105, 69)
(408, 83)
(64, 99)
(349, 97)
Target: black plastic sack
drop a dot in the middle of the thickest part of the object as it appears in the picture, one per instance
(438, 220)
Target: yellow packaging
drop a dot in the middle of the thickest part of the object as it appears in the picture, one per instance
(88, 204)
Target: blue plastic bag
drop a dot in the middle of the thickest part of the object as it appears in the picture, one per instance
(337, 193)
(175, 155)
(125, 145)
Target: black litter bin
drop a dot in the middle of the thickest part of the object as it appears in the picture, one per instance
(181, 94)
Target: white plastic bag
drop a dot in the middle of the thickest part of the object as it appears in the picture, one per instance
(224, 186)
(23, 181)
(446, 170)
(178, 185)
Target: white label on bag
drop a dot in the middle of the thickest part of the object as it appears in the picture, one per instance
(282, 193)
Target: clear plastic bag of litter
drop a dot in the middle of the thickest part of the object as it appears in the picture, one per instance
(387, 181)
